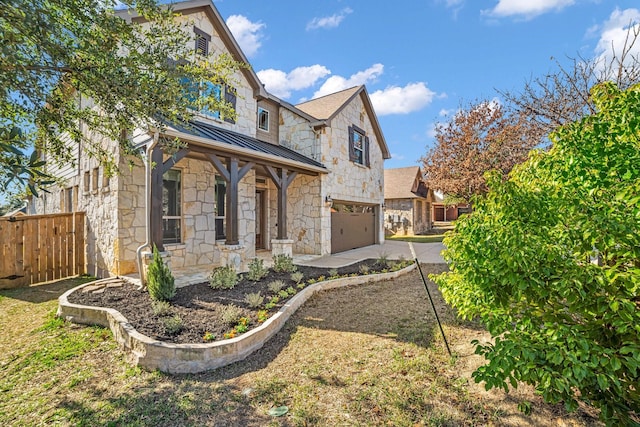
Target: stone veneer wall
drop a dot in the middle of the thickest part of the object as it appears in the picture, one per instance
(99, 201)
(198, 245)
(304, 214)
(348, 181)
(297, 134)
(246, 106)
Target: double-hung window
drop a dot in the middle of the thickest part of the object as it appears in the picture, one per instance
(171, 206)
(358, 146)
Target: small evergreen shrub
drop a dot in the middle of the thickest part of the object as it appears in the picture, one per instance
(223, 277)
(160, 281)
(161, 308)
(172, 325)
(364, 269)
(254, 300)
(257, 270)
(275, 286)
(333, 272)
(297, 277)
(283, 264)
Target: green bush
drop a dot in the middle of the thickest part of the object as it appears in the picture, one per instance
(550, 262)
(283, 264)
(297, 277)
(275, 286)
(254, 300)
(257, 270)
(161, 308)
(223, 277)
(160, 281)
(172, 325)
(231, 314)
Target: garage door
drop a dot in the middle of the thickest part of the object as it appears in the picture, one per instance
(352, 228)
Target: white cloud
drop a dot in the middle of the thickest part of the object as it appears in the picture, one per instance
(402, 100)
(446, 112)
(281, 84)
(526, 9)
(329, 21)
(247, 33)
(338, 83)
(613, 34)
(395, 156)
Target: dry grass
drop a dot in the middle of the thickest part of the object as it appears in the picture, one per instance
(366, 355)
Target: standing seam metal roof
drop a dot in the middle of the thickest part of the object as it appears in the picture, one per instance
(244, 141)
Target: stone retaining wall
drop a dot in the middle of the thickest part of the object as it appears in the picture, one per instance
(192, 358)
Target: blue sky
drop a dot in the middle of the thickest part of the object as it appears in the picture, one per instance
(420, 60)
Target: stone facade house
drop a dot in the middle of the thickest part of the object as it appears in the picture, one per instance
(407, 202)
(281, 178)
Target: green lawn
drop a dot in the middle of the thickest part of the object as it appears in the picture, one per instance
(430, 238)
(367, 355)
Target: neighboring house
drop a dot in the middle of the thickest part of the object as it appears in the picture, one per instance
(407, 202)
(305, 179)
(443, 212)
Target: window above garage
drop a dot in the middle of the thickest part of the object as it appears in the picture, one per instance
(358, 146)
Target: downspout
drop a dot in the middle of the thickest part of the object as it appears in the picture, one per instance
(147, 207)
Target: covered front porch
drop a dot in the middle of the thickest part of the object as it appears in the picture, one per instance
(224, 197)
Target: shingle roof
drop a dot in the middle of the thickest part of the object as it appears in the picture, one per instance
(399, 182)
(235, 139)
(326, 106)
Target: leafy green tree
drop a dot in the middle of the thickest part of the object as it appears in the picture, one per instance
(550, 262)
(62, 59)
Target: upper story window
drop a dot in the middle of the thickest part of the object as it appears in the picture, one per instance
(202, 41)
(263, 119)
(218, 91)
(358, 146)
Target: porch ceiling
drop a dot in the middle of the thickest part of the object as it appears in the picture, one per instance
(205, 138)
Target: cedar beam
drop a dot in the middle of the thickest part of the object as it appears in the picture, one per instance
(282, 179)
(155, 220)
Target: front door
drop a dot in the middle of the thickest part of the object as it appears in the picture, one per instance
(260, 212)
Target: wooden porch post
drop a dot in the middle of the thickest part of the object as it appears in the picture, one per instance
(232, 174)
(282, 179)
(156, 198)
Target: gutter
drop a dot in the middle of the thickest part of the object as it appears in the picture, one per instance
(147, 207)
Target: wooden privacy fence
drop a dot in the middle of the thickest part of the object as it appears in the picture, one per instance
(39, 248)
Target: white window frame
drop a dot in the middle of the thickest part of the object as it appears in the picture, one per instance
(265, 112)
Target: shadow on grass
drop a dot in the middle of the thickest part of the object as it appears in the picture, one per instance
(39, 293)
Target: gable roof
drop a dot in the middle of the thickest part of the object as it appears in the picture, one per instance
(207, 6)
(326, 107)
(399, 183)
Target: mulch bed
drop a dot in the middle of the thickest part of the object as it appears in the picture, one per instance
(200, 308)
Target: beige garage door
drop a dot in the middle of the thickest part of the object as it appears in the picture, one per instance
(353, 227)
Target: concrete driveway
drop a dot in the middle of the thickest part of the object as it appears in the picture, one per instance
(426, 252)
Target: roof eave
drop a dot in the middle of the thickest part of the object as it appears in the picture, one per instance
(226, 148)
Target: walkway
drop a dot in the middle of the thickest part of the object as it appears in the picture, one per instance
(426, 252)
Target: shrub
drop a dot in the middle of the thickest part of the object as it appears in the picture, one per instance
(254, 299)
(223, 277)
(548, 260)
(257, 270)
(161, 308)
(160, 281)
(364, 269)
(382, 261)
(208, 337)
(333, 272)
(283, 264)
(297, 277)
(263, 315)
(275, 286)
(172, 325)
(283, 294)
(243, 325)
(291, 290)
(231, 314)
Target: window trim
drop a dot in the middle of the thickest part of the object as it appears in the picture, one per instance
(175, 217)
(362, 160)
(266, 112)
